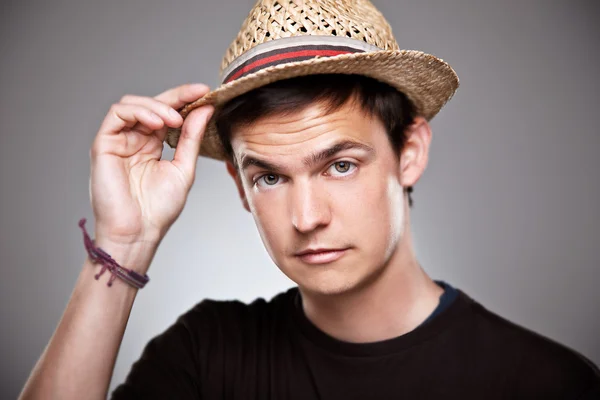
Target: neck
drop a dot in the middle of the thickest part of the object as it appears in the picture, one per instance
(398, 300)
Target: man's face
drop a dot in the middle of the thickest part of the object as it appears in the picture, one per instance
(317, 181)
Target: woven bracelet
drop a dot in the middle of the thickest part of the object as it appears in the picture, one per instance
(97, 255)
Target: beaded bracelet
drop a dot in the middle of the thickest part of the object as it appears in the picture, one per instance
(98, 255)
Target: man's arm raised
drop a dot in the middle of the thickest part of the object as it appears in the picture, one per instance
(135, 197)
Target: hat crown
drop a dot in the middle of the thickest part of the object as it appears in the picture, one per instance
(277, 19)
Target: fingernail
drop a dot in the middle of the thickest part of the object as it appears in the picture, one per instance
(155, 117)
(198, 86)
(173, 113)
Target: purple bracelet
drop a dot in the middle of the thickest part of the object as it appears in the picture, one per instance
(98, 255)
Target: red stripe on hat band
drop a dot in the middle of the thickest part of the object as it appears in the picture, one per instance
(283, 57)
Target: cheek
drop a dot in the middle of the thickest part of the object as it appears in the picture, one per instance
(395, 197)
(374, 213)
(269, 218)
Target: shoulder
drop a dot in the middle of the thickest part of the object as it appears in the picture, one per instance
(536, 360)
(222, 316)
(239, 308)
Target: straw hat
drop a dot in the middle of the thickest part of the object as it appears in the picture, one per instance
(283, 39)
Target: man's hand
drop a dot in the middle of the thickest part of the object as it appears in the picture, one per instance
(135, 195)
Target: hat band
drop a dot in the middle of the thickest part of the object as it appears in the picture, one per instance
(292, 49)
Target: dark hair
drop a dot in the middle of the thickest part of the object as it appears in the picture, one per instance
(376, 98)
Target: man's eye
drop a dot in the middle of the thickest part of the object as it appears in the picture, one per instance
(268, 179)
(342, 167)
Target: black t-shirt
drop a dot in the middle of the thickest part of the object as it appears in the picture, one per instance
(270, 350)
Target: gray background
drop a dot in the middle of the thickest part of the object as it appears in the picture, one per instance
(507, 209)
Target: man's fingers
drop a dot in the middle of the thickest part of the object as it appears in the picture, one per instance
(188, 146)
(122, 116)
(167, 113)
(181, 95)
(166, 105)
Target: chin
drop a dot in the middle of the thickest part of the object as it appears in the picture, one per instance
(333, 283)
(326, 288)
(340, 277)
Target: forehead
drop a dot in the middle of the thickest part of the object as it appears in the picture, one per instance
(307, 129)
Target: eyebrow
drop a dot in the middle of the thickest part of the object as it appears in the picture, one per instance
(311, 160)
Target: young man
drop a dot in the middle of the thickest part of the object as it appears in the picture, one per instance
(324, 152)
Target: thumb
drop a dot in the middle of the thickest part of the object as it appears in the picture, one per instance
(188, 146)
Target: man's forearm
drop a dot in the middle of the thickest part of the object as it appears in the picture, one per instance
(79, 359)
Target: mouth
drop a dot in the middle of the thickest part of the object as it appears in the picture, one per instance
(320, 256)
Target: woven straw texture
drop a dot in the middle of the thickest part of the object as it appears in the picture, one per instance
(271, 20)
(428, 81)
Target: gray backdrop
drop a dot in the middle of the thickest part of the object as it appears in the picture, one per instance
(507, 210)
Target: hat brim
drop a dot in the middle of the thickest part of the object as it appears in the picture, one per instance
(428, 81)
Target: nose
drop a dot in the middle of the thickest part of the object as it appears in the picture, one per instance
(309, 206)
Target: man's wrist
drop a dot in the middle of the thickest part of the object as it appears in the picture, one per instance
(136, 256)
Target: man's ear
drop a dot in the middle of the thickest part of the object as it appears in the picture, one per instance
(233, 172)
(415, 154)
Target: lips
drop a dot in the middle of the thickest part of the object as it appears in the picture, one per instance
(321, 256)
